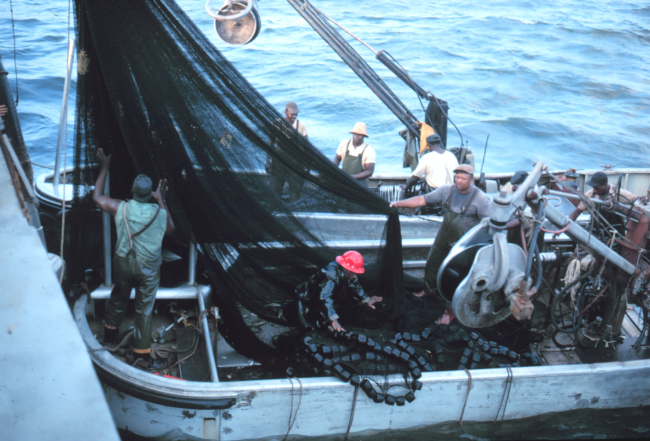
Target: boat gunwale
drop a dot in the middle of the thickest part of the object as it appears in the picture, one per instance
(179, 391)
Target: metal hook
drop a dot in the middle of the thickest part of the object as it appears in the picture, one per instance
(228, 4)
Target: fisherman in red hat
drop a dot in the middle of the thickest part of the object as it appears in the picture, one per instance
(334, 293)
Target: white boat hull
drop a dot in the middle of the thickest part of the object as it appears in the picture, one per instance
(163, 408)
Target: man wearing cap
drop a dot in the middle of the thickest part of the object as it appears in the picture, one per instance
(278, 172)
(358, 157)
(334, 293)
(463, 205)
(600, 190)
(517, 178)
(140, 228)
(437, 166)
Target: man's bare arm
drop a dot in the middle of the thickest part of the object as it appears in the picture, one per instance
(370, 169)
(336, 160)
(410, 183)
(574, 214)
(414, 202)
(106, 203)
(159, 196)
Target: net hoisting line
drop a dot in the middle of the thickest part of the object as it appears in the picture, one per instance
(320, 23)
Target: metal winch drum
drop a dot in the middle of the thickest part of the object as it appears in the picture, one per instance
(470, 279)
(458, 262)
(237, 22)
(483, 273)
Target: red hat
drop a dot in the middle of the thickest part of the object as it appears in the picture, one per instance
(352, 261)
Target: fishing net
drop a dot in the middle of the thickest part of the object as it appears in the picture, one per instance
(155, 94)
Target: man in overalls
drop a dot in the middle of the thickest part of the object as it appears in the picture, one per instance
(140, 228)
(358, 157)
(463, 205)
(278, 173)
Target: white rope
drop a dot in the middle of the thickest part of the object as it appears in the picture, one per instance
(65, 164)
(572, 274)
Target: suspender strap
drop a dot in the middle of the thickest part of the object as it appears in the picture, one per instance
(447, 204)
(469, 202)
(345, 152)
(126, 224)
(348, 149)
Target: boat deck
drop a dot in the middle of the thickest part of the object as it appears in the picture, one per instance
(554, 349)
(560, 349)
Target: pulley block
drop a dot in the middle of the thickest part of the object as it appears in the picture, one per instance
(479, 300)
(237, 22)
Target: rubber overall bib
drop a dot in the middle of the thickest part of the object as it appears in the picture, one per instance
(451, 230)
(353, 165)
(133, 272)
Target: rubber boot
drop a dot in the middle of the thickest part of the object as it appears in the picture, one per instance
(142, 360)
(110, 335)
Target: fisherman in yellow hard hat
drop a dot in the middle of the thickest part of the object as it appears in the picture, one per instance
(358, 157)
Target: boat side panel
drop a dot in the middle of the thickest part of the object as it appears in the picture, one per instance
(326, 404)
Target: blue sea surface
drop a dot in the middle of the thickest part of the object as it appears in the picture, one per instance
(566, 82)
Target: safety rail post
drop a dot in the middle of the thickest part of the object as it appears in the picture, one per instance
(208, 341)
(204, 321)
(106, 227)
(192, 265)
(63, 121)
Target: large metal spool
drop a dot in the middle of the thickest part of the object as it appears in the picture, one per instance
(458, 262)
(237, 22)
(466, 277)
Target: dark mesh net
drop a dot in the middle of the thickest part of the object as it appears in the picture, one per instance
(155, 94)
(162, 100)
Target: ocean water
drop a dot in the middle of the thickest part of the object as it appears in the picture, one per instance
(566, 82)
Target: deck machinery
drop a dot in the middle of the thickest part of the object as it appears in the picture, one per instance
(493, 277)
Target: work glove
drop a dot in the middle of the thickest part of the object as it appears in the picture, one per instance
(521, 306)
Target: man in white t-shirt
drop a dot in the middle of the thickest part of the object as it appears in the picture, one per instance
(278, 173)
(357, 157)
(437, 166)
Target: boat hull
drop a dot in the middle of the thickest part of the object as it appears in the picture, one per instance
(163, 408)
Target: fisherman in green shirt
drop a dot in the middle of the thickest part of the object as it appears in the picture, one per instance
(140, 228)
